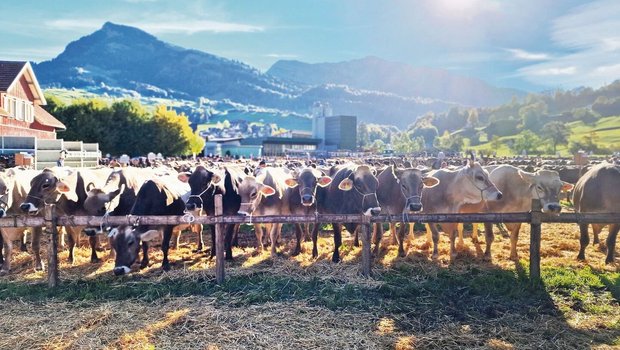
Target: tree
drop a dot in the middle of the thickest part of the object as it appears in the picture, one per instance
(363, 139)
(378, 145)
(557, 133)
(427, 132)
(526, 141)
(496, 143)
(473, 119)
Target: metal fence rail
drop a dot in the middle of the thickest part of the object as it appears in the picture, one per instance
(535, 218)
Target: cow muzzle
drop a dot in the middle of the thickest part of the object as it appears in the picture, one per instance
(552, 208)
(29, 208)
(307, 200)
(190, 206)
(121, 270)
(415, 206)
(373, 211)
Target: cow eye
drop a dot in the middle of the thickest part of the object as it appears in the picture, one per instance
(130, 243)
(479, 178)
(253, 195)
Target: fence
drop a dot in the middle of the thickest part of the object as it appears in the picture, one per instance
(535, 218)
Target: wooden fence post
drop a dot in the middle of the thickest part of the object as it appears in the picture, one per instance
(52, 248)
(366, 256)
(219, 242)
(535, 228)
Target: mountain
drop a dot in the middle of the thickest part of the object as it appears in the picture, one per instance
(127, 57)
(123, 61)
(373, 73)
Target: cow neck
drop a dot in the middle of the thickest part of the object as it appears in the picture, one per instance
(476, 186)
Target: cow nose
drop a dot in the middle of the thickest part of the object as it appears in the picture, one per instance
(119, 271)
(25, 207)
(190, 206)
(375, 211)
(499, 195)
(415, 207)
(306, 198)
(555, 208)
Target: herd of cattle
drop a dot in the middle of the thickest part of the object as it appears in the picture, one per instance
(297, 187)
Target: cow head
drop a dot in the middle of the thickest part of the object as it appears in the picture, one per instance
(307, 181)
(476, 185)
(363, 182)
(546, 186)
(411, 183)
(48, 187)
(126, 242)
(6, 189)
(200, 181)
(99, 201)
(252, 192)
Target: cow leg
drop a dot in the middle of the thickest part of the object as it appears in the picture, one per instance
(228, 239)
(93, 240)
(393, 238)
(429, 237)
(411, 231)
(234, 240)
(400, 238)
(514, 239)
(356, 239)
(489, 238)
(315, 237)
(23, 242)
(378, 236)
(611, 243)
(307, 235)
(8, 253)
(145, 255)
(258, 230)
(2, 250)
(298, 236)
(337, 242)
(72, 240)
(474, 232)
(212, 229)
(275, 232)
(596, 230)
(460, 228)
(584, 240)
(165, 245)
(435, 236)
(451, 230)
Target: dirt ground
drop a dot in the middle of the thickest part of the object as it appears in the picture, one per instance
(299, 302)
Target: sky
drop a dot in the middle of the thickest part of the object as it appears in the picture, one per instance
(533, 45)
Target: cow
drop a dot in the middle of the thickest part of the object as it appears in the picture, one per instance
(155, 197)
(596, 192)
(353, 190)
(307, 190)
(399, 193)
(266, 194)
(67, 188)
(518, 188)
(469, 184)
(205, 185)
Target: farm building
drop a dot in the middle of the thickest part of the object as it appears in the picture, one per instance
(27, 128)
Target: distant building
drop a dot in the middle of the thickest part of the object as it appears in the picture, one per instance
(335, 132)
(281, 146)
(231, 147)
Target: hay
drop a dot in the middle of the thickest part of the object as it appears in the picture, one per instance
(224, 319)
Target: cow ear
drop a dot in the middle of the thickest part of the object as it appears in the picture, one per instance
(291, 183)
(64, 188)
(267, 190)
(528, 177)
(215, 179)
(566, 186)
(149, 235)
(90, 186)
(346, 185)
(430, 181)
(324, 181)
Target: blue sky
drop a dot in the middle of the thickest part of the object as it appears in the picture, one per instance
(530, 44)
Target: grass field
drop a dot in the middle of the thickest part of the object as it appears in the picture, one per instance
(298, 302)
(607, 129)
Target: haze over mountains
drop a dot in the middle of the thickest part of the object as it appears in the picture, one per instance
(124, 60)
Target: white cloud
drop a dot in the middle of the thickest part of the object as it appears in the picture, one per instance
(158, 26)
(31, 54)
(281, 55)
(528, 56)
(590, 34)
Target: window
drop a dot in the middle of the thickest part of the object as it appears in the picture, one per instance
(29, 116)
(13, 108)
(20, 110)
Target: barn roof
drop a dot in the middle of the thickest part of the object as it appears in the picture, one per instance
(9, 70)
(44, 118)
